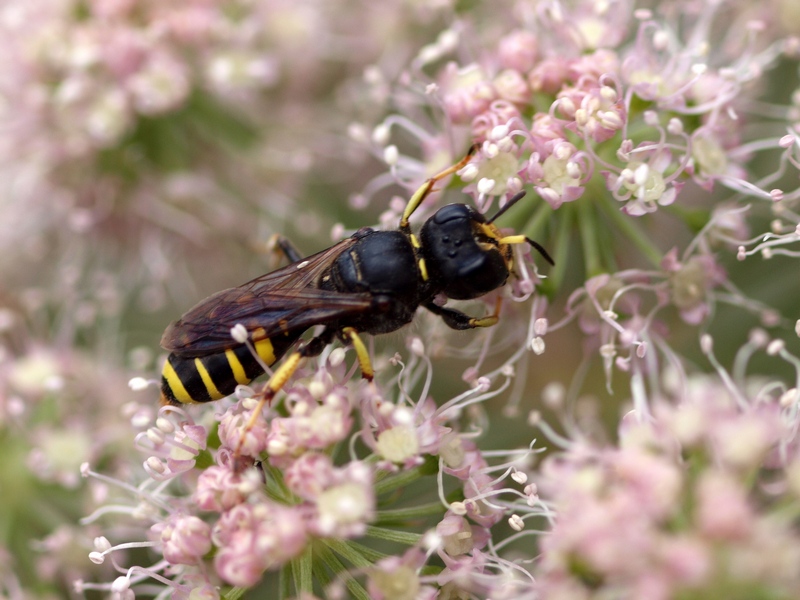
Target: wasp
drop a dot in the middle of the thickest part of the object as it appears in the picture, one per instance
(372, 282)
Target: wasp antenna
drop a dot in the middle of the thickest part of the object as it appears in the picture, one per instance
(541, 250)
(511, 202)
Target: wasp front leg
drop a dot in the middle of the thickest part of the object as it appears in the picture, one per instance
(426, 188)
(455, 319)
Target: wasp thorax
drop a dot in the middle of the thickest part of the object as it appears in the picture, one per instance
(462, 260)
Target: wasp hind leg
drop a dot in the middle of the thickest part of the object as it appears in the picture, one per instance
(279, 378)
(351, 335)
(313, 347)
(279, 245)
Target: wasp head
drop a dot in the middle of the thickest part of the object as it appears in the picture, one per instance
(463, 253)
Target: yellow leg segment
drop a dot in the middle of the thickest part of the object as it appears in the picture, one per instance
(427, 187)
(288, 368)
(274, 385)
(513, 239)
(361, 353)
(489, 320)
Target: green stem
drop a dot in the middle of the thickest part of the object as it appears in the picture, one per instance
(356, 554)
(392, 535)
(285, 581)
(399, 480)
(536, 223)
(563, 240)
(605, 244)
(371, 555)
(695, 219)
(330, 560)
(303, 572)
(588, 224)
(234, 593)
(276, 487)
(385, 517)
(631, 230)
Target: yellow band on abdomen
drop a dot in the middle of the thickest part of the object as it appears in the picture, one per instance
(265, 351)
(175, 384)
(211, 387)
(236, 366)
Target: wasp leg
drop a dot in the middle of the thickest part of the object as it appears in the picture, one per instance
(279, 378)
(279, 244)
(426, 188)
(455, 319)
(352, 336)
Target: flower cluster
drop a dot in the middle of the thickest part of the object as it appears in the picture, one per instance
(300, 505)
(619, 106)
(696, 499)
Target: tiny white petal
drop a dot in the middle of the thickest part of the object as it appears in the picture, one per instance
(336, 357)
(789, 398)
(540, 326)
(137, 384)
(516, 523)
(165, 425)
(120, 585)
(155, 465)
(499, 132)
(380, 135)
(239, 333)
(486, 185)
(417, 347)
(390, 155)
(101, 543)
(458, 508)
(775, 347)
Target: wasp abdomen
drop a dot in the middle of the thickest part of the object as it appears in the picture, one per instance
(191, 379)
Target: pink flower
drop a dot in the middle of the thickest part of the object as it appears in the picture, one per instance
(691, 283)
(465, 92)
(643, 185)
(518, 50)
(459, 536)
(313, 423)
(252, 538)
(235, 424)
(220, 489)
(186, 539)
(723, 512)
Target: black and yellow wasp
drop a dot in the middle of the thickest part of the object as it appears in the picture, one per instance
(372, 282)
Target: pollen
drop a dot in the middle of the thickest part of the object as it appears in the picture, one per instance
(344, 504)
(398, 444)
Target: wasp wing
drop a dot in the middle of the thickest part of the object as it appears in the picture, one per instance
(281, 302)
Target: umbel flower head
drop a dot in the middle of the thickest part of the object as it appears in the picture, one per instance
(299, 507)
(690, 501)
